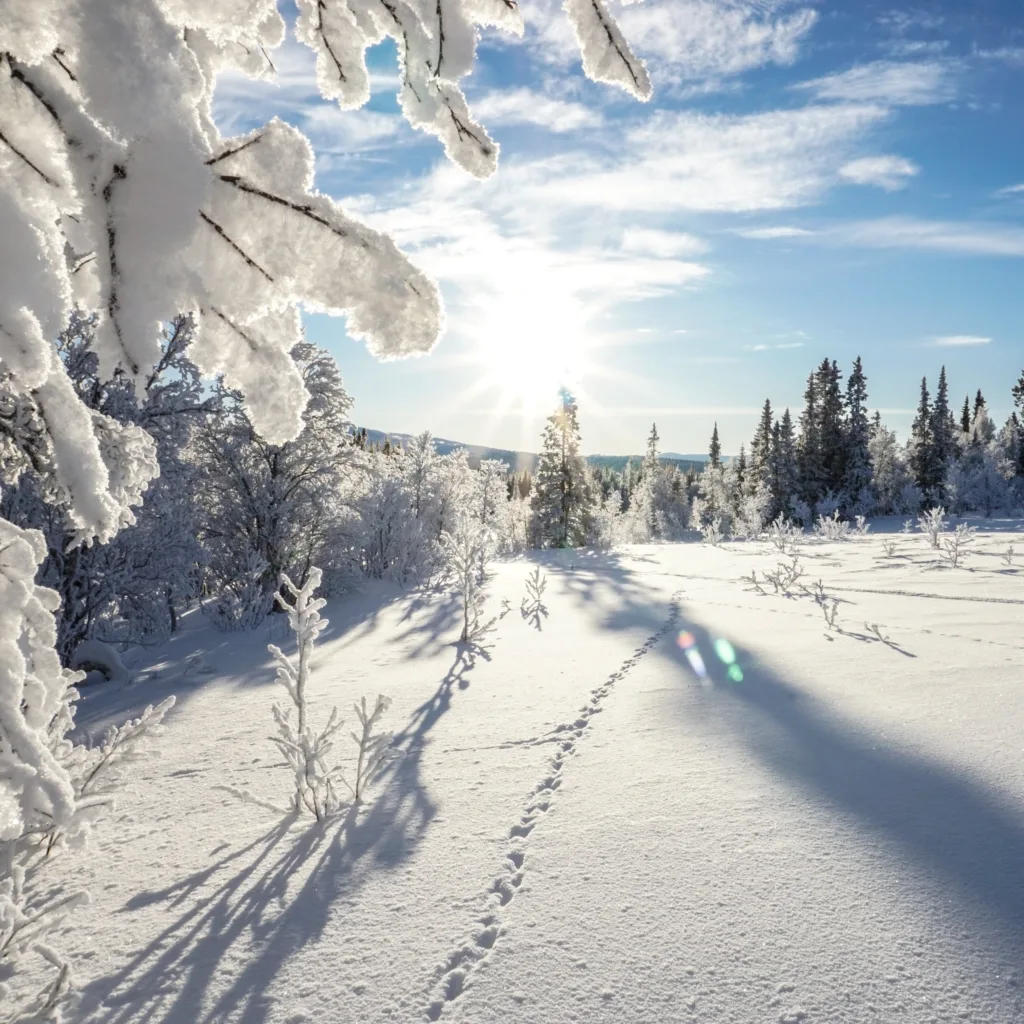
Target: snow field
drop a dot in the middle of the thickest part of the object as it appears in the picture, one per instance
(584, 829)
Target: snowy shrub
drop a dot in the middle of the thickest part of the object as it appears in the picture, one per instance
(932, 523)
(712, 532)
(830, 609)
(467, 548)
(783, 577)
(832, 527)
(862, 526)
(782, 533)
(753, 511)
(889, 547)
(1007, 555)
(908, 526)
(954, 544)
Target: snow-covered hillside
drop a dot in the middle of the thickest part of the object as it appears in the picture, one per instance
(661, 797)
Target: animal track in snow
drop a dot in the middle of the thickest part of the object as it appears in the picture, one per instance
(452, 975)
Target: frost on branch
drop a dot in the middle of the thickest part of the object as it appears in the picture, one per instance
(606, 54)
(50, 789)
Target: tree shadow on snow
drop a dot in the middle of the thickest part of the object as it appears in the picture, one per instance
(939, 817)
(255, 920)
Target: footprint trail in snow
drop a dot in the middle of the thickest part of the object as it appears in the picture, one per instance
(453, 974)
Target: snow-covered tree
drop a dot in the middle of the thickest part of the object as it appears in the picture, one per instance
(133, 586)
(562, 497)
(892, 477)
(857, 470)
(278, 502)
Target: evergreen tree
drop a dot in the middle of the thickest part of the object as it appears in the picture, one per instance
(979, 403)
(561, 490)
(857, 477)
(784, 479)
(921, 457)
(809, 446)
(965, 416)
(760, 449)
(1018, 392)
(715, 448)
(831, 426)
(943, 446)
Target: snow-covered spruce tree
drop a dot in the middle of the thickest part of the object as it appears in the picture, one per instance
(562, 493)
(119, 195)
(856, 484)
(712, 503)
(758, 471)
(979, 479)
(644, 521)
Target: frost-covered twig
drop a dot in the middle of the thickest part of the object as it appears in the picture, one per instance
(876, 631)
(1007, 555)
(752, 579)
(908, 526)
(375, 749)
(862, 526)
(830, 609)
(784, 577)
(889, 547)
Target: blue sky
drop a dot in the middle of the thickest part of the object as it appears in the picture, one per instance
(810, 179)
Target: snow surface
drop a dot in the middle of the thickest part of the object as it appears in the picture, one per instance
(583, 828)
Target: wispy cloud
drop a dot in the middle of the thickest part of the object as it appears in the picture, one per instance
(958, 340)
(1010, 191)
(776, 231)
(663, 244)
(965, 237)
(524, 106)
(888, 172)
(895, 83)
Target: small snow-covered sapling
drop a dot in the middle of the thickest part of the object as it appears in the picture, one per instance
(932, 523)
(782, 533)
(862, 526)
(830, 609)
(955, 544)
(1008, 555)
(533, 608)
(889, 547)
(908, 526)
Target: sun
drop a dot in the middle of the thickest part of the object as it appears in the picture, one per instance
(528, 348)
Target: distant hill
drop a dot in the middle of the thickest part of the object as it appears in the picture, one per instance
(528, 460)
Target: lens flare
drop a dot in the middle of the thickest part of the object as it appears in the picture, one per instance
(685, 640)
(725, 651)
(735, 673)
(696, 662)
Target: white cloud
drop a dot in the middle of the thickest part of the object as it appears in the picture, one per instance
(895, 83)
(888, 172)
(963, 237)
(524, 106)
(1010, 190)
(682, 161)
(957, 340)
(777, 231)
(663, 244)
(685, 40)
